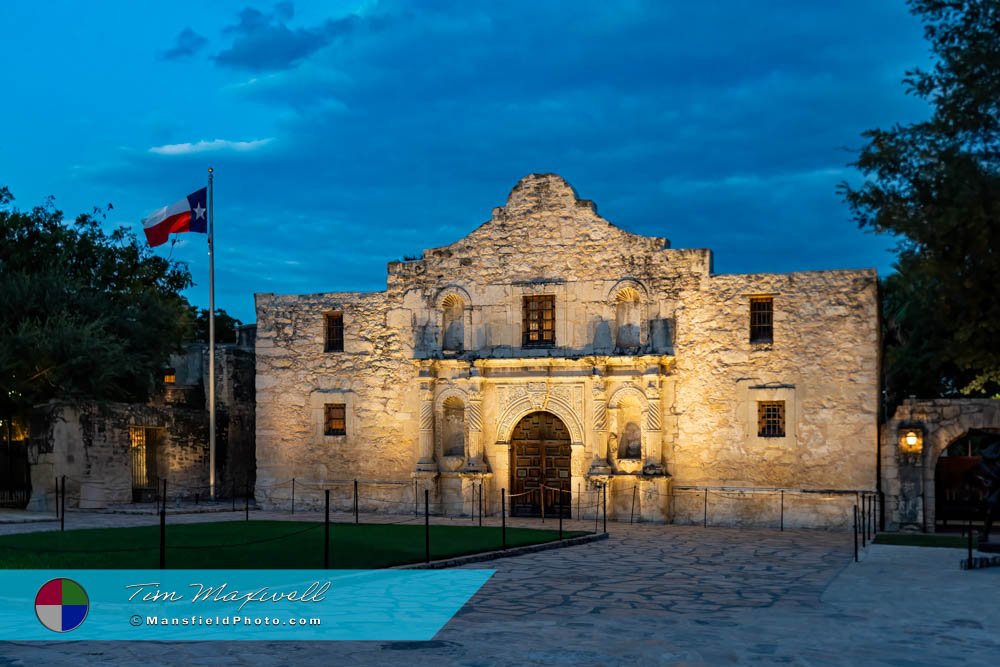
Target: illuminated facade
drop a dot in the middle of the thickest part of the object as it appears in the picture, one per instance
(552, 354)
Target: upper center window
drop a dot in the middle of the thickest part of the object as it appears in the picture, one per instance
(539, 321)
(334, 332)
(762, 319)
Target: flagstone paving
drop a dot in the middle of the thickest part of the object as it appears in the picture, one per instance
(656, 595)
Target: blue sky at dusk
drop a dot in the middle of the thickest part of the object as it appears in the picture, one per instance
(348, 134)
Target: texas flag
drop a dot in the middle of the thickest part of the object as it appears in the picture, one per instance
(187, 215)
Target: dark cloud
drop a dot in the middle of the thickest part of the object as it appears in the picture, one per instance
(713, 124)
(264, 42)
(187, 43)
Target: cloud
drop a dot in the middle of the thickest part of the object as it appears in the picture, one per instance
(715, 125)
(265, 42)
(214, 146)
(187, 43)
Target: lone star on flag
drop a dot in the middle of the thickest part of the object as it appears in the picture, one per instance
(199, 212)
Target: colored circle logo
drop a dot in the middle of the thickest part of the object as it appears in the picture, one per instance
(61, 605)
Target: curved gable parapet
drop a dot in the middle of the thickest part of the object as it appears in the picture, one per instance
(544, 192)
(545, 231)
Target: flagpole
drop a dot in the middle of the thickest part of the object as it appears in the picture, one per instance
(211, 336)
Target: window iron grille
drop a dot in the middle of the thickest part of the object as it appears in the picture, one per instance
(771, 419)
(762, 319)
(539, 321)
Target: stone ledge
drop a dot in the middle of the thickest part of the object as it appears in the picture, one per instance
(503, 553)
(980, 562)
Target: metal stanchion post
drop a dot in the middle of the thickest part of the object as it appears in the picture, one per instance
(704, 520)
(326, 532)
(970, 543)
(355, 501)
(597, 512)
(163, 528)
(480, 504)
(631, 514)
(782, 509)
(862, 526)
(427, 525)
(62, 506)
(503, 517)
(246, 498)
(871, 517)
(855, 533)
(293, 495)
(605, 504)
(560, 510)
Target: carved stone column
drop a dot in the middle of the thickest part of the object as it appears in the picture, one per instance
(474, 420)
(426, 462)
(654, 428)
(600, 465)
(475, 461)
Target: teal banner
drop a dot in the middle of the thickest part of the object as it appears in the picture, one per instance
(185, 605)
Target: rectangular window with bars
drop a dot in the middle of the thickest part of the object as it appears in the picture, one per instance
(539, 321)
(762, 319)
(336, 419)
(334, 332)
(770, 419)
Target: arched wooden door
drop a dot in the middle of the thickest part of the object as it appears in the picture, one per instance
(540, 453)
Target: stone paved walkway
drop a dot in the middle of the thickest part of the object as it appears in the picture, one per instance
(659, 595)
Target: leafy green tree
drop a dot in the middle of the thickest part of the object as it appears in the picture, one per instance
(225, 325)
(935, 184)
(84, 314)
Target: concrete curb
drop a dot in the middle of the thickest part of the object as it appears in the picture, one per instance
(503, 553)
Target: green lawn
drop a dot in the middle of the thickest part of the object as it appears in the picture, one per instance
(255, 545)
(924, 540)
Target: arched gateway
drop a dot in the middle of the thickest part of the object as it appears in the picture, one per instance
(540, 453)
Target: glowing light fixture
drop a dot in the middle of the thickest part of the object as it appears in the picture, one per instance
(911, 437)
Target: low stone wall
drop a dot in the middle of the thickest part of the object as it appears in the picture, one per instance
(91, 445)
(764, 508)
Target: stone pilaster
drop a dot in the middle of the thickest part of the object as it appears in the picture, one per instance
(653, 427)
(426, 462)
(600, 465)
(474, 423)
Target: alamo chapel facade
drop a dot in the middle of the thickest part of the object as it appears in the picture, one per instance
(556, 357)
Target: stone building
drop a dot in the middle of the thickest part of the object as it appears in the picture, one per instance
(119, 453)
(554, 356)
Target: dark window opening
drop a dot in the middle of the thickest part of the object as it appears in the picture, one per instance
(770, 419)
(762, 319)
(334, 332)
(539, 321)
(336, 419)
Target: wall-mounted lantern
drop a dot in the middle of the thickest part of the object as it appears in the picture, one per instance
(911, 437)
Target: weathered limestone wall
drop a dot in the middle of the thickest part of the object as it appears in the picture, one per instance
(823, 363)
(91, 446)
(296, 378)
(651, 351)
(90, 443)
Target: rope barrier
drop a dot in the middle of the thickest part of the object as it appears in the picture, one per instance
(244, 544)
